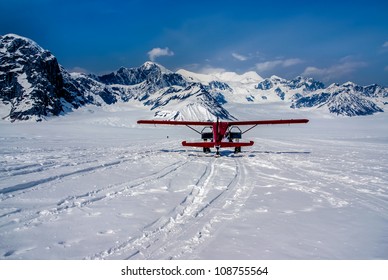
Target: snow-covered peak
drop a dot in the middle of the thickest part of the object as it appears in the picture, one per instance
(12, 35)
(36, 85)
(248, 77)
(251, 77)
(149, 65)
(12, 42)
(196, 77)
(277, 78)
(332, 86)
(335, 87)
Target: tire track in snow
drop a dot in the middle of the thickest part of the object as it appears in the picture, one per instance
(191, 222)
(210, 219)
(31, 184)
(308, 178)
(113, 191)
(79, 201)
(329, 181)
(22, 188)
(47, 160)
(154, 232)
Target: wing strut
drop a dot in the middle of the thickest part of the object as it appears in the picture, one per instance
(193, 129)
(249, 129)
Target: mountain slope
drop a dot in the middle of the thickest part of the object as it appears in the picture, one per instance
(347, 99)
(166, 93)
(33, 86)
(31, 80)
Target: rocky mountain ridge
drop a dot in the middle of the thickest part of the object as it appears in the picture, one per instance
(33, 86)
(348, 99)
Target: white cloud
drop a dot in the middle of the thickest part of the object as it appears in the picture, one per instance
(239, 56)
(341, 69)
(386, 68)
(156, 52)
(269, 65)
(385, 45)
(311, 70)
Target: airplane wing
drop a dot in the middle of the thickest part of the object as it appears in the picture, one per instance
(174, 122)
(263, 122)
(291, 121)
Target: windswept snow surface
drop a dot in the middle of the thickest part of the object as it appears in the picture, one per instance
(95, 185)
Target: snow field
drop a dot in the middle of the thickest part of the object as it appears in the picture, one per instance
(97, 186)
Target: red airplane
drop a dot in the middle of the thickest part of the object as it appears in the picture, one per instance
(214, 133)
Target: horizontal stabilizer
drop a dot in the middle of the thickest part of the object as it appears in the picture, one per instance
(213, 144)
(236, 144)
(199, 144)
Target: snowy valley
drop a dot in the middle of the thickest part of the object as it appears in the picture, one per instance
(94, 185)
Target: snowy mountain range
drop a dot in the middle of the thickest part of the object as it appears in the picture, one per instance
(33, 86)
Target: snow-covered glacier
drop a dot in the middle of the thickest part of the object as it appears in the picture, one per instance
(95, 185)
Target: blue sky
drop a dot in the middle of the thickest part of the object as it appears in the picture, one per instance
(332, 41)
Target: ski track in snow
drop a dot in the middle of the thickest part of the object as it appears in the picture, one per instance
(46, 167)
(192, 221)
(84, 199)
(144, 201)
